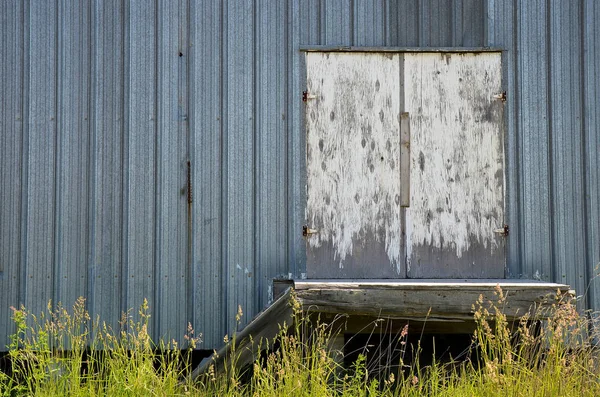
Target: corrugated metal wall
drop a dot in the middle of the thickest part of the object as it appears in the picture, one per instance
(552, 76)
(104, 103)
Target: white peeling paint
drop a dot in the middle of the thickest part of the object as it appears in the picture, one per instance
(353, 185)
(269, 294)
(456, 151)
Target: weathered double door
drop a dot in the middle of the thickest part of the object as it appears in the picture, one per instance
(405, 165)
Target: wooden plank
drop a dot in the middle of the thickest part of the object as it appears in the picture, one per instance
(394, 326)
(474, 284)
(439, 50)
(265, 326)
(422, 300)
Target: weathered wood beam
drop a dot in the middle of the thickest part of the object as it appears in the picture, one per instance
(265, 326)
(431, 300)
(447, 303)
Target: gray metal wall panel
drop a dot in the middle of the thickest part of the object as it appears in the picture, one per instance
(310, 16)
(404, 23)
(296, 184)
(553, 142)
(591, 129)
(336, 23)
(435, 23)
(568, 201)
(141, 157)
(73, 152)
(370, 23)
(172, 155)
(501, 18)
(468, 23)
(239, 74)
(534, 153)
(206, 154)
(11, 156)
(109, 130)
(271, 146)
(39, 271)
(243, 73)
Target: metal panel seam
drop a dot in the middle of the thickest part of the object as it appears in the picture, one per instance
(26, 73)
(91, 174)
(256, 149)
(518, 150)
(125, 106)
(589, 265)
(157, 168)
(550, 165)
(57, 156)
(190, 308)
(224, 164)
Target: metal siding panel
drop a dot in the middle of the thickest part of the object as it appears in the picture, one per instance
(73, 153)
(309, 12)
(369, 23)
(457, 22)
(469, 23)
(39, 268)
(435, 23)
(239, 100)
(296, 150)
(336, 26)
(533, 133)
(591, 120)
(206, 148)
(208, 168)
(125, 162)
(109, 81)
(407, 23)
(500, 32)
(141, 157)
(172, 191)
(568, 207)
(271, 147)
(11, 158)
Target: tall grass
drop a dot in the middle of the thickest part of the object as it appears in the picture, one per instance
(64, 352)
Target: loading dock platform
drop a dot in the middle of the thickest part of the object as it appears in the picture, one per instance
(445, 304)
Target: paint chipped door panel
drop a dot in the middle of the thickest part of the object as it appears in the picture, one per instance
(353, 159)
(457, 165)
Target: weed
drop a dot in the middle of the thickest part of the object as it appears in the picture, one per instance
(63, 352)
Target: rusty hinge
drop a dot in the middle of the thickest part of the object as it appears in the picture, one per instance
(307, 232)
(501, 96)
(189, 182)
(306, 96)
(503, 231)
